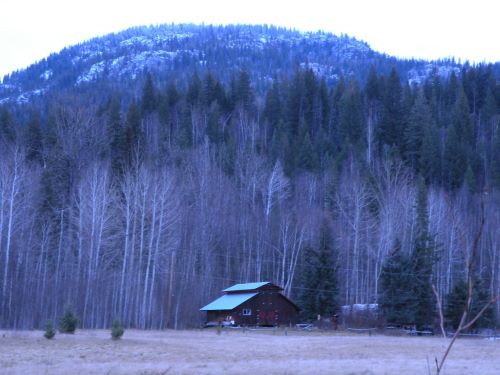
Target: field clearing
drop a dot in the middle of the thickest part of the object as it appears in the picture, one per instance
(237, 352)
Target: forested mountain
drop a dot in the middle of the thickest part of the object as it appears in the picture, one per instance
(119, 61)
(144, 171)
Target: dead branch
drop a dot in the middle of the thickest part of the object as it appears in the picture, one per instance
(440, 310)
(469, 261)
(481, 312)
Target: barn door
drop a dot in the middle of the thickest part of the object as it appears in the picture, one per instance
(270, 316)
(263, 317)
(267, 317)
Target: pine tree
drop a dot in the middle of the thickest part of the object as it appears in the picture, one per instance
(396, 288)
(133, 134)
(163, 110)
(392, 122)
(451, 89)
(319, 293)
(7, 126)
(495, 161)
(185, 134)
(51, 139)
(490, 136)
(148, 100)
(372, 92)
(307, 298)
(279, 144)
(462, 121)
(455, 304)
(372, 88)
(337, 94)
(324, 102)
(169, 115)
(459, 143)
(68, 321)
(293, 111)
(309, 99)
(423, 257)
(212, 92)
(456, 301)
(488, 113)
(272, 107)
(48, 201)
(221, 97)
(244, 94)
(350, 113)
(173, 95)
(208, 90)
(117, 138)
(34, 144)
(117, 330)
(49, 330)
(306, 156)
(193, 96)
(418, 121)
(429, 161)
(455, 161)
(323, 148)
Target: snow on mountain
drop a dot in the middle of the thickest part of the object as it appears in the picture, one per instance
(92, 73)
(26, 97)
(127, 66)
(46, 75)
(182, 49)
(321, 70)
(137, 40)
(418, 76)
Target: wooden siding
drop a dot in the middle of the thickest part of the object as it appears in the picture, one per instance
(268, 308)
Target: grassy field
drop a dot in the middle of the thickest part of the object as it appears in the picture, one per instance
(237, 352)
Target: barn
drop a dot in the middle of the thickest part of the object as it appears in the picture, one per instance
(252, 304)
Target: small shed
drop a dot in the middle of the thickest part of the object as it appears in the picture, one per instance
(252, 304)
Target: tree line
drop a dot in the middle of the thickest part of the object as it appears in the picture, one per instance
(142, 209)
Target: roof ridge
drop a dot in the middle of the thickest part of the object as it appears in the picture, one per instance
(246, 286)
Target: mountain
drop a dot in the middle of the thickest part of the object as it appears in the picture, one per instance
(142, 172)
(116, 61)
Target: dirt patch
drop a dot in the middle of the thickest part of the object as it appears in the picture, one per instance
(237, 352)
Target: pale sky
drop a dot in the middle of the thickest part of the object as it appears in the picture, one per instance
(465, 29)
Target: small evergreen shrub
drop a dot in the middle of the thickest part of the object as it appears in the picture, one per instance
(117, 330)
(68, 322)
(49, 330)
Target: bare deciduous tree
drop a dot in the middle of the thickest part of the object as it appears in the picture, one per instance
(470, 259)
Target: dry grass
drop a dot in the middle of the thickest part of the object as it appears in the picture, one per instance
(236, 352)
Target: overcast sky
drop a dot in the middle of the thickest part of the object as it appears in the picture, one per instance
(32, 29)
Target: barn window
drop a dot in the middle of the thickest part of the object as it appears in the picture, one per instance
(247, 311)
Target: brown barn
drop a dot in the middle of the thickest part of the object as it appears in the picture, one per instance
(252, 304)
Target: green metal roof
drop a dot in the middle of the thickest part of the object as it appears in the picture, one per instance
(228, 301)
(247, 286)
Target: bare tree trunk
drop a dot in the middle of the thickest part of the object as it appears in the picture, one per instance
(369, 135)
(149, 257)
(14, 190)
(57, 294)
(127, 197)
(170, 288)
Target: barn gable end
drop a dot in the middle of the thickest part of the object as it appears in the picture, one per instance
(252, 304)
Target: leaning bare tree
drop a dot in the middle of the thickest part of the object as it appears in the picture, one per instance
(469, 261)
